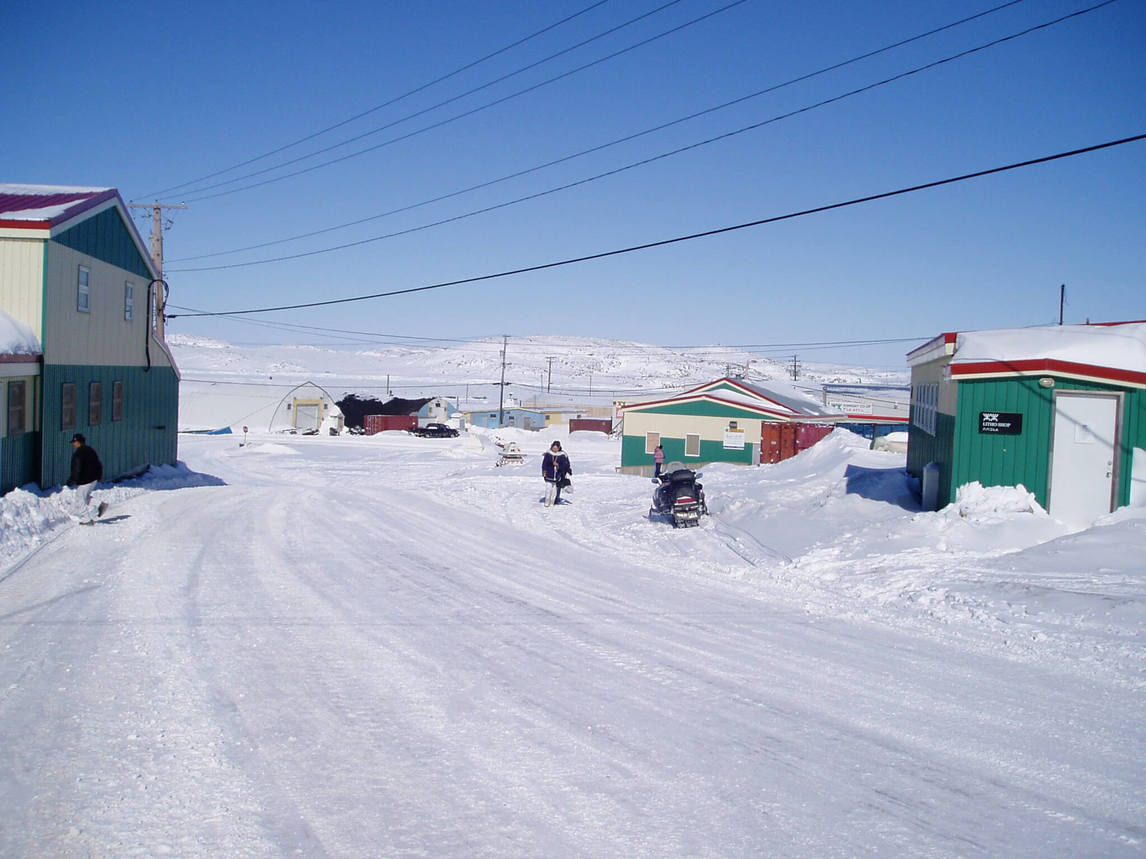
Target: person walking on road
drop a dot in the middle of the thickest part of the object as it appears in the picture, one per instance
(87, 470)
(555, 469)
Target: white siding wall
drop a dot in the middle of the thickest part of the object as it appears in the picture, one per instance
(676, 426)
(102, 336)
(22, 281)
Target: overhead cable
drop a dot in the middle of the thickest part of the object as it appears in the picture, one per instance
(645, 161)
(447, 120)
(384, 104)
(626, 139)
(686, 238)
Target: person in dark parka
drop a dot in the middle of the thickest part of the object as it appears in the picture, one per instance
(555, 469)
(87, 470)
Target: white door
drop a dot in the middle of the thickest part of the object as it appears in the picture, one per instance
(1082, 458)
(306, 416)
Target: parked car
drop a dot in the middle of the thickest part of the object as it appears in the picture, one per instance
(435, 431)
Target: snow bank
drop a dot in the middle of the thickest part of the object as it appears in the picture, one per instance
(31, 517)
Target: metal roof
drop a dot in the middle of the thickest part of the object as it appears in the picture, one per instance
(47, 205)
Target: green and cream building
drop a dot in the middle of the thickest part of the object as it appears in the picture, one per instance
(74, 270)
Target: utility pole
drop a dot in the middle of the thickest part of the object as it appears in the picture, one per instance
(795, 368)
(501, 388)
(549, 378)
(156, 243)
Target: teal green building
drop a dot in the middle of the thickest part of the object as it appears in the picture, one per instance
(74, 271)
(1060, 410)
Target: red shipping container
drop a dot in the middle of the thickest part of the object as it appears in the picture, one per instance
(592, 424)
(381, 423)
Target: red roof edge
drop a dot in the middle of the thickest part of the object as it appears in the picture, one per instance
(1048, 365)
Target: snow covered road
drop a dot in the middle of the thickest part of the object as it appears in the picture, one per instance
(388, 647)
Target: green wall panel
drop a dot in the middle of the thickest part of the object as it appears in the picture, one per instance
(106, 238)
(633, 452)
(147, 435)
(1001, 460)
(19, 460)
(701, 408)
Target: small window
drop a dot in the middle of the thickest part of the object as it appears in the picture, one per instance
(925, 406)
(732, 425)
(117, 401)
(652, 439)
(95, 404)
(128, 301)
(68, 406)
(16, 407)
(83, 290)
(692, 444)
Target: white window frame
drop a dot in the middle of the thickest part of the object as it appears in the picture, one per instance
(84, 289)
(925, 406)
(692, 444)
(128, 300)
(652, 439)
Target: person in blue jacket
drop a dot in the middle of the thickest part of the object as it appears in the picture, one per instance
(555, 469)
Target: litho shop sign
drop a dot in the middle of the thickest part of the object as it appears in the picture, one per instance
(1001, 423)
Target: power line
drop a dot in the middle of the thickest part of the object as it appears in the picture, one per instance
(626, 139)
(691, 237)
(659, 157)
(451, 119)
(384, 104)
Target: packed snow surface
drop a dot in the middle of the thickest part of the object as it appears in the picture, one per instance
(386, 646)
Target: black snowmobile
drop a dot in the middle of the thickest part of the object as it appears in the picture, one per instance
(678, 496)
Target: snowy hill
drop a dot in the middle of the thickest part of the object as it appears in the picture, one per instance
(539, 370)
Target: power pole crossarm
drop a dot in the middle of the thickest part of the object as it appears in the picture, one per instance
(156, 244)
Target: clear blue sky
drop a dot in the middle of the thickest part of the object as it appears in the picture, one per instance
(147, 96)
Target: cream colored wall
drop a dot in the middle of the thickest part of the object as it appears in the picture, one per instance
(101, 336)
(22, 281)
(936, 371)
(676, 426)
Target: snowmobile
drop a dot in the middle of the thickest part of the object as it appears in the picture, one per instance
(679, 496)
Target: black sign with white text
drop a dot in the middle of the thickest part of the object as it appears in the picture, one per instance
(1001, 423)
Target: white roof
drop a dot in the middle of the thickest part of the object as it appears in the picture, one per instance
(1121, 346)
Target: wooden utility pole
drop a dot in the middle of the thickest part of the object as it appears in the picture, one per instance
(156, 244)
(549, 378)
(501, 395)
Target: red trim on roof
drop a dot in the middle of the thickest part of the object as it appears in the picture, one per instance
(25, 225)
(20, 359)
(1047, 365)
(946, 338)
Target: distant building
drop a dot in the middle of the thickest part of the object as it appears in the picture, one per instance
(522, 418)
(1060, 410)
(75, 271)
(727, 420)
